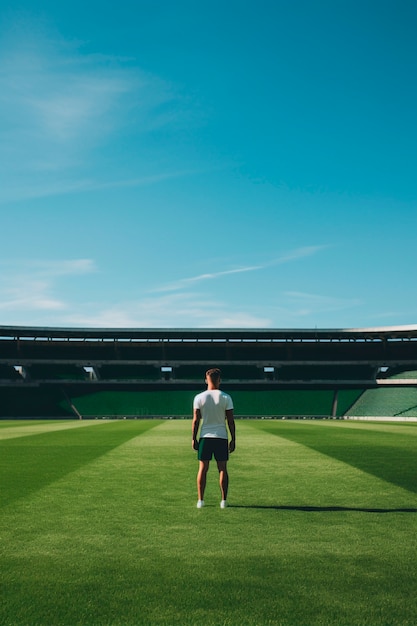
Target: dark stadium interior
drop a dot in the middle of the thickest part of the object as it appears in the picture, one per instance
(41, 366)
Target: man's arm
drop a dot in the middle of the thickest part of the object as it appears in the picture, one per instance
(232, 429)
(196, 424)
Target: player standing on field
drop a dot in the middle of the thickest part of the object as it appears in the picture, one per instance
(213, 408)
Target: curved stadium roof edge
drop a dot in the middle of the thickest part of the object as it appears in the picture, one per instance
(408, 331)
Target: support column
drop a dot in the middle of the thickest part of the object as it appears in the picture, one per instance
(72, 405)
(334, 403)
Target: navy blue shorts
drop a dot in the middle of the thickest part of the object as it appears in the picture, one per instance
(213, 445)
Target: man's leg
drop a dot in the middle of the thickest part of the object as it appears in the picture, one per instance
(224, 478)
(201, 478)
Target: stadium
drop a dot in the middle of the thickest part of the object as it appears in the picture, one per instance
(88, 373)
(98, 492)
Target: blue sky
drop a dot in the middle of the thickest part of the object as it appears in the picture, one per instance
(208, 164)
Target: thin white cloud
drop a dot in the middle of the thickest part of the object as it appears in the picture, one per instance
(52, 98)
(298, 253)
(34, 293)
(27, 287)
(294, 255)
(59, 107)
(167, 311)
(184, 283)
(13, 270)
(43, 189)
(63, 267)
(29, 296)
(306, 304)
(178, 304)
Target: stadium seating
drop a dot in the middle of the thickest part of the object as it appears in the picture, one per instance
(393, 402)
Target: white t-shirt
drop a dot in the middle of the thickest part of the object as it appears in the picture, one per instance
(213, 405)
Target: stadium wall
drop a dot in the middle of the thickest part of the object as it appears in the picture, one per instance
(39, 403)
(50, 403)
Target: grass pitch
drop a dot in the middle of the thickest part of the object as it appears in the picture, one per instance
(99, 525)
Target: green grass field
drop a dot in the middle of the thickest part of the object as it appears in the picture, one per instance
(99, 525)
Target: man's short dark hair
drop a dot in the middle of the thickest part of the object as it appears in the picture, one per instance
(214, 374)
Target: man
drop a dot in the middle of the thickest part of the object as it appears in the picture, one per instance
(213, 408)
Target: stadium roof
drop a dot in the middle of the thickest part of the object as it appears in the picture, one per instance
(261, 334)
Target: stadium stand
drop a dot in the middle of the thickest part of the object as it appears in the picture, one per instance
(58, 372)
(390, 401)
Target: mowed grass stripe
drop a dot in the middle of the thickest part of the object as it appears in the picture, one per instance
(118, 541)
(27, 428)
(29, 463)
(405, 428)
(323, 480)
(23, 423)
(387, 454)
(81, 546)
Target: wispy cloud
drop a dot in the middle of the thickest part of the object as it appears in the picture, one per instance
(184, 283)
(60, 106)
(167, 311)
(298, 253)
(294, 255)
(28, 287)
(31, 294)
(42, 188)
(308, 304)
(35, 293)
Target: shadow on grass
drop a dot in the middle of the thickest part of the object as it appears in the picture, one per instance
(30, 463)
(320, 509)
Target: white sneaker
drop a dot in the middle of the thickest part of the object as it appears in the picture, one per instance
(223, 504)
(200, 504)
